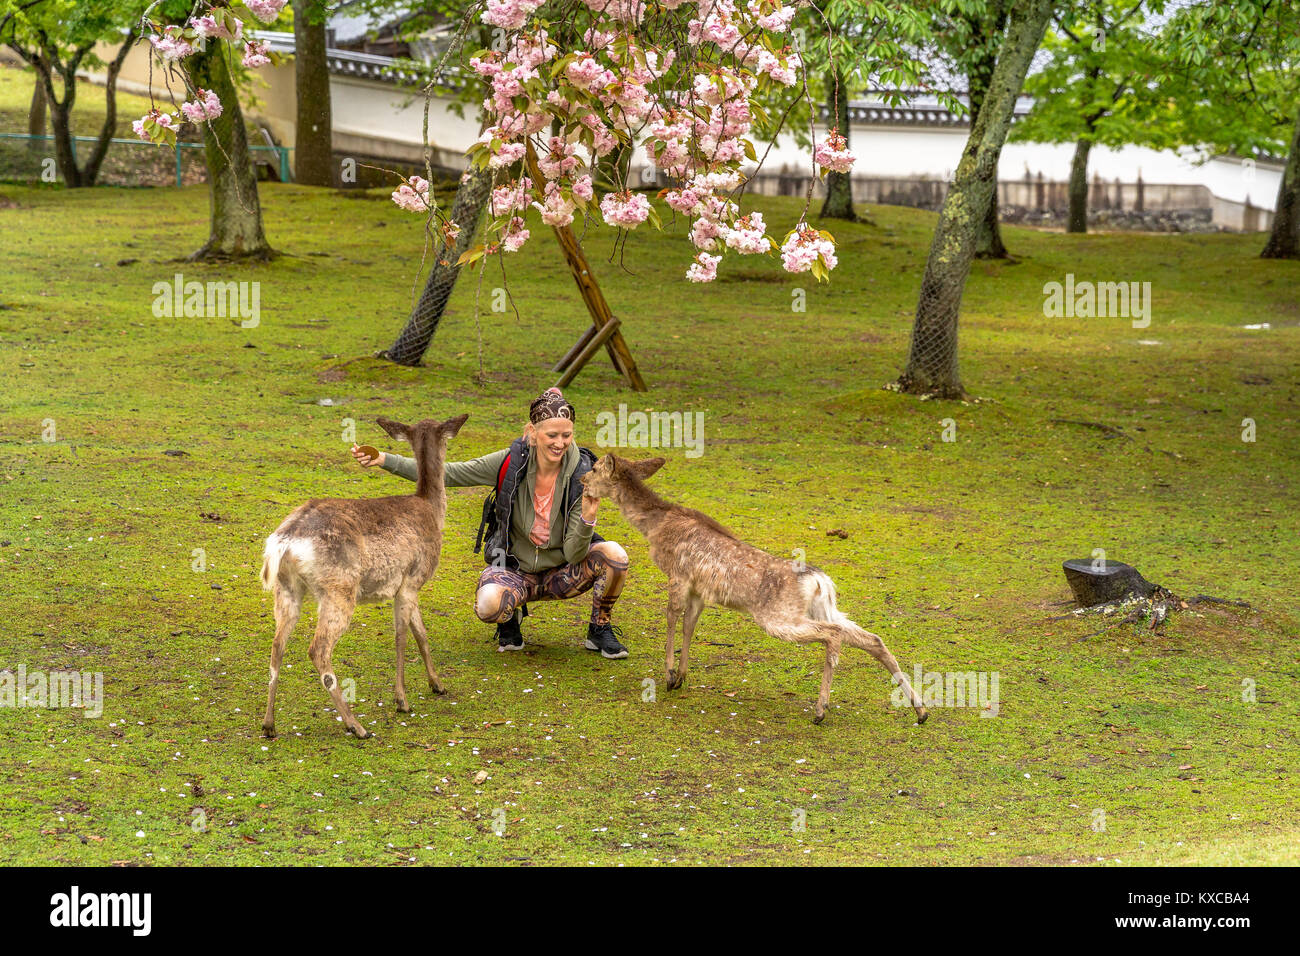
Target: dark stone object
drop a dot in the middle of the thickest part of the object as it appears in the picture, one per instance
(1099, 582)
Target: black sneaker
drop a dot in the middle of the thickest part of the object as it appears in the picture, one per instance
(600, 637)
(509, 637)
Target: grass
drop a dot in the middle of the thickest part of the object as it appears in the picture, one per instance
(952, 553)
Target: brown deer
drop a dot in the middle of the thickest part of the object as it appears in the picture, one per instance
(360, 550)
(707, 565)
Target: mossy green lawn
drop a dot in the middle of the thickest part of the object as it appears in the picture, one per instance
(952, 553)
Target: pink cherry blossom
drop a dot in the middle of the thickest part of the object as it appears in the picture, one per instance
(683, 200)
(255, 55)
(511, 197)
(705, 233)
(704, 268)
(559, 161)
(777, 21)
(557, 210)
(171, 45)
(586, 74)
(804, 247)
(515, 235)
(833, 152)
(747, 236)
(205, 106)
(508, 14)
(625, 209)
(209, 27)
(413, 195)
(265, 10)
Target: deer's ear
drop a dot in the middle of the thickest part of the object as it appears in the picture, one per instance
(396, 430)
(645, 468)
(452, 425)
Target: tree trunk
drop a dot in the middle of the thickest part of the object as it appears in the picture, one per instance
(1078, 219)
(313, 139)
(90, 171)
(65, 149)
(932, 361)
(1100, 581)
(1284, 240)
(414, 339)
(236, 230)
(988, 237)
(839, 186)
(36, 117)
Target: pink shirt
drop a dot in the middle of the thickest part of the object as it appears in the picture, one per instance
(541, 530)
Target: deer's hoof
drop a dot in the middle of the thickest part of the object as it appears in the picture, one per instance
(403, 707)
(921, 716)
(268, 730)
(819, 718)
(360, 732)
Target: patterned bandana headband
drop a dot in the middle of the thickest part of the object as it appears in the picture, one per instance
(551, 404)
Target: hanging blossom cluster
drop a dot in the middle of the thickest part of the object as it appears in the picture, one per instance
(413, 195)
(174, 42)
(833, 152)
(561, 105)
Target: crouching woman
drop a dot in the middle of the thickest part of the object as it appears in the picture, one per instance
(540, 540)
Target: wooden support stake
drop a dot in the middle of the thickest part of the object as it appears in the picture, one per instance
(600, 338)
(563, 363)
(601, 316)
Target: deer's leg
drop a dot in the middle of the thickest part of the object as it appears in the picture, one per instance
(288, 605)
(828, 671)
(873, 644)
(803, 630)
(691, 614)
(422, 640)
(401, 615)
(332, 620)
(676, 601)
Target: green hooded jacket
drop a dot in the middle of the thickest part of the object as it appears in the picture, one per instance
(569, 540)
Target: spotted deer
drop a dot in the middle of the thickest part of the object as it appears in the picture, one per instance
(347, 551)
(707, 566)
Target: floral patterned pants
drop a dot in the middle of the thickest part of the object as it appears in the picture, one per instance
(501, 590)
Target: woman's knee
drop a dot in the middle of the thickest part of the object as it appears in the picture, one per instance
(494, 604)
(612, 552)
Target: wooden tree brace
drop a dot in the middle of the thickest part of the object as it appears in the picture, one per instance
(593, 343)
(604, 329)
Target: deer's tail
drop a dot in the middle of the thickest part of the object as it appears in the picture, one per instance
(276, 546)
(820, 595)
(819, 592)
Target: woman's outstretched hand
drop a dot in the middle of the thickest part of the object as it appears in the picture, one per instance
(590, 506)
(364, 459)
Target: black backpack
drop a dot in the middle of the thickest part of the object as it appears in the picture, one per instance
(494, 526)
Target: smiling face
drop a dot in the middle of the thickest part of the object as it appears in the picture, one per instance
(552, 439)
